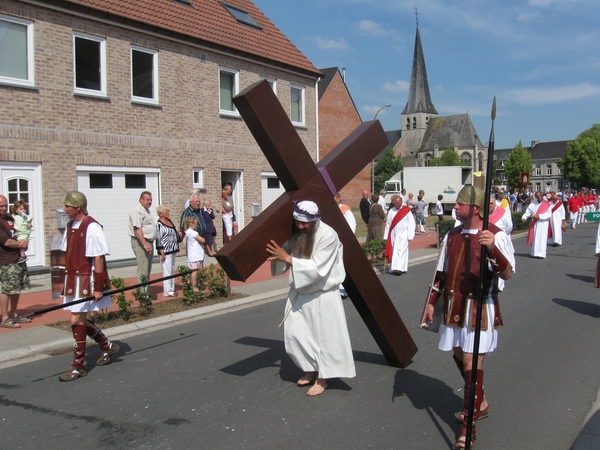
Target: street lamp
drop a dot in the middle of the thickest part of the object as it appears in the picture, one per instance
(373, 161)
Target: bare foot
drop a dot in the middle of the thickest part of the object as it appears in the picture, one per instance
(318, 388)
(306, 379)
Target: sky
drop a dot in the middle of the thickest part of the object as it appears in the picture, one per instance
(539, 58)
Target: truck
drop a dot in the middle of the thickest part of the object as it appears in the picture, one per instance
(445, 180)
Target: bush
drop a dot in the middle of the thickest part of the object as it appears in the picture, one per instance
(375, 250)
(190, 296)
(213, 278)
(442, 227)
(120, 299)
(142, 295)
(517, 224)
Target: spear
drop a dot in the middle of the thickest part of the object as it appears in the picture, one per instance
(480, 293)
(106, 293)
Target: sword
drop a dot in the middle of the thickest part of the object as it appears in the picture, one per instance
(482, 267)
(107, 293)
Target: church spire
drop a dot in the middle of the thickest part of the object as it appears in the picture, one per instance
(419, 99)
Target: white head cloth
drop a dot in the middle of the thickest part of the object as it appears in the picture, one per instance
(306, 211)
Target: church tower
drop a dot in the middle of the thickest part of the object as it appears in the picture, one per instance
(419, 109)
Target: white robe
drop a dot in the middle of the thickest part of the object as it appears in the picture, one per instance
(540, 230)
(556, 222)
(401, 234)
(505, 224)
(598, 239)
(464, 338)
(315, 332)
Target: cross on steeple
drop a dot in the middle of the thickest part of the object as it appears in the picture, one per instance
(417, 16)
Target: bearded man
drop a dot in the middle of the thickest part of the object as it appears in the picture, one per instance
(557, 221)
(315, 332)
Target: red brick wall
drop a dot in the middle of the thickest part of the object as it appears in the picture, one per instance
(337, 119)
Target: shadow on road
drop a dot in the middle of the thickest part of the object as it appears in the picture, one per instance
(589, 309)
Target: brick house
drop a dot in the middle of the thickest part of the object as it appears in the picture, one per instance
(338, 117)
(116, 97)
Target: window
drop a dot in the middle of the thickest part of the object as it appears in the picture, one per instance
(89, 65)
(144, 75)
(297, 105)
(504, 162)
(101, 181)
(465, 159)
(135, 181)
(18, 189)
(538, 170)
(538, 187)
(242, 16)
(228, 88)
(198, 178)
(548, 169)
(16, 51)
(414, 122)
(272, 82)
(408, 123)
(428, 160)
(273, 183)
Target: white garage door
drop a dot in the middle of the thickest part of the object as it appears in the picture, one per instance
(111, 193)
(271, 188)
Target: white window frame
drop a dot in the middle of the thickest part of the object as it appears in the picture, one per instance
(538, 170)
(200, 183)
(102, 92)
(154, 53)
(30, 80)
(302, 90)
(236, 89)
(548, 169)
(272, 83)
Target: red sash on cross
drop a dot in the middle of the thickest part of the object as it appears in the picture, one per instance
(541, 210)
(401, 214)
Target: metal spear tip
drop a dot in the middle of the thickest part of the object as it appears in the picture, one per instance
(494, 109)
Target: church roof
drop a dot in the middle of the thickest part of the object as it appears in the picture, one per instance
(419, 98)
(393, 138)
(450, 131)
(207, 23)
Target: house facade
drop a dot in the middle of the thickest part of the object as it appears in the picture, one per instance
(338, 117)
(546, 175)
(115, 98)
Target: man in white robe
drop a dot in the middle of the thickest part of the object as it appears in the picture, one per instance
(399, 230)
(539, 210)
(557, 221)
(315, 333)
(351, 220)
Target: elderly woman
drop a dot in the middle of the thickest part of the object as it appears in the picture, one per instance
(376, 217)
(167, 245)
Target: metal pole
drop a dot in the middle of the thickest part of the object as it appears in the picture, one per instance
(373, 161)
(480, 293)
(106, 293)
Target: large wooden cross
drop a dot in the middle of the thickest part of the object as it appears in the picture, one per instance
(303, 180)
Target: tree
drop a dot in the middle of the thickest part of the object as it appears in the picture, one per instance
(581, 164)
(448, 158)
(386, 167)
(519, 161)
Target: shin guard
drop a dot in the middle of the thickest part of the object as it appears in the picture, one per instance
(478, 399)
(80, 335)
(97, 335)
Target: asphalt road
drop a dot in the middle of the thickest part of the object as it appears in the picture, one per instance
(225, 382)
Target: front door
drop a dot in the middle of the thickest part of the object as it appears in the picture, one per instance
(22, 181)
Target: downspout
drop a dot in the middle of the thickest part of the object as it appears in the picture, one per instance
(317, 117)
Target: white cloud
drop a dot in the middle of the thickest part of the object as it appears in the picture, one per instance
(398, 86)
(370, 28)
(542, 96)
(332, 44)
(371, 110)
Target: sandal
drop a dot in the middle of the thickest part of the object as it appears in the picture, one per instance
(105, 358)
(72, 374)
(462, 441)
(482, 414)
(21, 319)
(9, 323)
